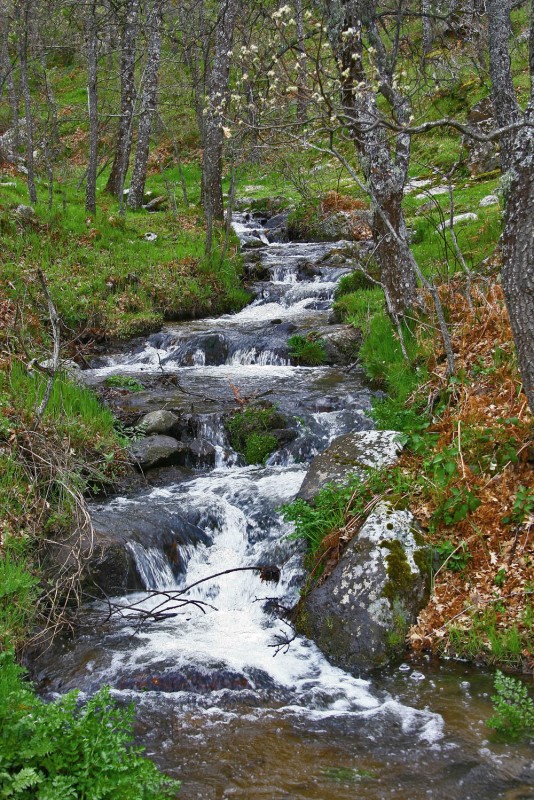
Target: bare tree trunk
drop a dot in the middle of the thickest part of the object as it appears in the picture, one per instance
(148, 106)
(8, 77)
(123, 145)
(428, 37)
(213, 138)
(302, 68)
(92, 100)
(385, 172)
(517, 155)
(23, 55)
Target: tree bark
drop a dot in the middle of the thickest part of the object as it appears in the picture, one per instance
(92, 101)
(517, 156)
(302, 68)
(123, 144)
(148, 106)
(385, 171)
(23, 55)
(8, 78)
(213, 134)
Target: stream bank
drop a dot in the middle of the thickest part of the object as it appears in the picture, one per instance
(225, 701)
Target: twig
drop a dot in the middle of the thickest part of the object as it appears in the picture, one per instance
(54, 321)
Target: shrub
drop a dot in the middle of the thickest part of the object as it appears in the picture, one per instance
(64, 750)
(124, 382)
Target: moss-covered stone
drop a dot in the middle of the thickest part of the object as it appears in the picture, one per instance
(401, 579)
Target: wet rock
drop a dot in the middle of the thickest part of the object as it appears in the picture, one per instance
(341, 344)
(163, 421)
(360, 615)
(200, 454)
(350, 454)
(187, 679)
(276, 228)
(105, 556)
(157, 451)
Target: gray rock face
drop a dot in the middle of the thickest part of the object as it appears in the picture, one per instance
(347, 455)
(360, 616)
(159, 422)
(342, 343)
(25, 213)
(157, 451)
(347, 225)
(109, 563)
(489, 200)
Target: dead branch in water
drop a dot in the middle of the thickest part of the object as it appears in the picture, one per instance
(172, 601)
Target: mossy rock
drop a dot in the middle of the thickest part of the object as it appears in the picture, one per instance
(258, 431)
(360, 615)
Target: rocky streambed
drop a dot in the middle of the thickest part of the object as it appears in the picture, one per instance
(229, 698)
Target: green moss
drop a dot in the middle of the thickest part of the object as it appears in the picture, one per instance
(249, 432)
(401, 580)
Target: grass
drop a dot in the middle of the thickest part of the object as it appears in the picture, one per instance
(105, 279)
(307, 351)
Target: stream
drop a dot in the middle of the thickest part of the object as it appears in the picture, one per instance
(223, 704)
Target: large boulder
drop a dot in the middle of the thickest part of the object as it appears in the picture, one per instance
(360, 615)
(354, 225)
(342, 343)
(351, 454)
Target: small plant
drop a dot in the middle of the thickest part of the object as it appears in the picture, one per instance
(259, 447)
(453, 557)
(500, 577)
(309, 350)
(523, 506)
(514, 708)
(65, 750)
(250, 432)
(124, 382)
(455, 508)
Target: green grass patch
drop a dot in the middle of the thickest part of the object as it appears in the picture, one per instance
(124, 382)
(307, 351)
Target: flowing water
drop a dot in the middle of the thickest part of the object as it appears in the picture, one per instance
(226, 702)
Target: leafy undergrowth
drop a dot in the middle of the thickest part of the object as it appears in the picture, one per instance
(466, 473)
(476, 493)
(64, 749)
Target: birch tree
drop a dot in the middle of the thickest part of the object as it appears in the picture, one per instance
(517, 157)
(123, 144)
(148, 105)
(91, 34)
(364, 73)
(213, 116)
